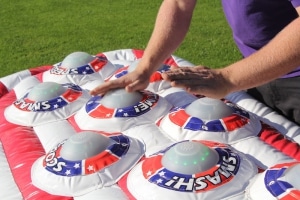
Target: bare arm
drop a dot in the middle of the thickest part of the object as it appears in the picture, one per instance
(172, 23)
(277, 58)
(280, 56)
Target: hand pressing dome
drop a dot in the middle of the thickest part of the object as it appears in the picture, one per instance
(156, 84)
(119, 110)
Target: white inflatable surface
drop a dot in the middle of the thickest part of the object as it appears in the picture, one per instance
(58, 142)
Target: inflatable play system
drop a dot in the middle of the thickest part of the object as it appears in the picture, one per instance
(57, 142)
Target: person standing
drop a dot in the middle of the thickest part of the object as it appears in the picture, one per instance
(267, 34)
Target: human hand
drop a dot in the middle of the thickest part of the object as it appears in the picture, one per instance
(132, 81)
(199, 80)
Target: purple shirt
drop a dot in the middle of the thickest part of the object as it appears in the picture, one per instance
(255, 22)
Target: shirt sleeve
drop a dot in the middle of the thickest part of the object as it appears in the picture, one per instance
(295, 3)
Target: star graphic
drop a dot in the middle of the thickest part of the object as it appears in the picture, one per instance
(77, 165)
(59, 100)
(204, 127)
(126, 114)
(159, 181)
(55, 106)
(68, 172)
(90, 168)
(90, 102)
(149, 173)
(162, 173)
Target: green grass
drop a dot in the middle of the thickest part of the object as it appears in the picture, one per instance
(35, 33)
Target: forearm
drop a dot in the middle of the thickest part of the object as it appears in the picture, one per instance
(171, 26)
(277, 58)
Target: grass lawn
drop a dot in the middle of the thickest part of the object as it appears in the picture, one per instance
(35, 33)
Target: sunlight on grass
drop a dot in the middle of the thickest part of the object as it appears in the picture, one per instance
(36, 33)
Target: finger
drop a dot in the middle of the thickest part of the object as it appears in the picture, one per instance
(173, 67)
(192, 83)
(187, 69)
(101, 89)
(136, 85)
(175, 75)
(189, 78)
(182, 83)
(204, 91)
(131, 87)
(196, 90)
(185, 74)
(106, 86)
